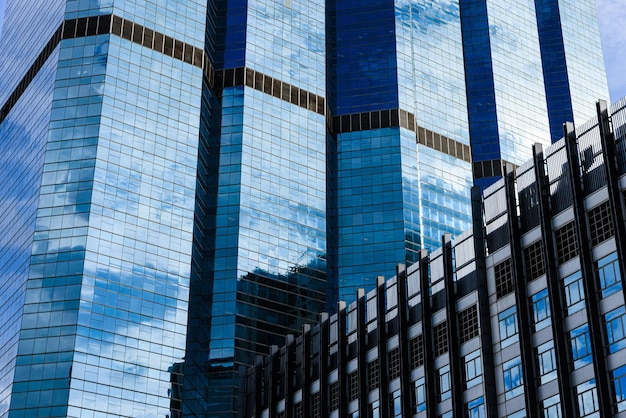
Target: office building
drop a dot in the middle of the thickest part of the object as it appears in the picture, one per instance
(185, 183)
(522, 316)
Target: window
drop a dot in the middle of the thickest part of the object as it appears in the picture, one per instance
(476, 408)
(316, 403)
(394, 363)
(444, 383)
(334, 396)
(574, 293)
(547, 362)
(541, 309)
(396, 404)
(552, 407)
(504, 278)
(581, 346)
(513, 378)
(566, 245)
(473, 369)
(518, 414)
(508, 326)
(468, 322)
(533, 258)
(609, 274)
(299, 411)
(420, 395)
(440, 332)
(372, 375)
(600, 223)
(619, 383)
(615, 326)
(587, 399)
(417, 353)
(374, 410)
(353, 385)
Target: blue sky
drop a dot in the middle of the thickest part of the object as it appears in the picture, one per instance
(612, 17)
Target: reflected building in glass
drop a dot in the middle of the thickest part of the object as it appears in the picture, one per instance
(185, 183)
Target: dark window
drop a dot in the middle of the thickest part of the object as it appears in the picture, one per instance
(373, 375)
(600, 223)
(566, 245)
(417, 351)
(440, 332)
(334, 396)
(533, 257)
(394, 363)
(468, 321)
(504, 278)
(353, 385)
(316, 405)
(298, 411)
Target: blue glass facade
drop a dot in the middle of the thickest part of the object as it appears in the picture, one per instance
(572, 60)
(529, 66)
(396, 193)
(101, 276)
(201, 178)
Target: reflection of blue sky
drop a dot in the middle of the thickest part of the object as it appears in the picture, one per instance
(430, 67)
(288, 42)
(28, 36)
(22, 142)
(612, 18)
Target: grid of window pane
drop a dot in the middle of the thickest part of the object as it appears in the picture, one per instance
(468, 323)
(600, 223)
(533, 257)
(609, 274)
(416, 348)
(616, 329)
(507, 321)
(334, 396)
(440, 333)
(373, 375)
(316, 405)
(504, 278)
(566, 242)
(394, 363)
(353, 385)
(541, 309)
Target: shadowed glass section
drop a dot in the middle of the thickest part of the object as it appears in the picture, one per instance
(268, 273)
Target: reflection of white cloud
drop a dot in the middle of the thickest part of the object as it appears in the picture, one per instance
(612, 19)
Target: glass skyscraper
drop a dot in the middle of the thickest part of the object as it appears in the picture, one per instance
(184, 183)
